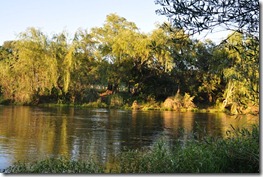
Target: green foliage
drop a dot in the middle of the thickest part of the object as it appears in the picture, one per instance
(198, 16)
(229, 70)
(243, 150)
(236, 154)
(154, 160)
(116, 100)
(150, 104)
(95, 104)
(31, 69)
(55, 165)
(37, 69)
(242, 75)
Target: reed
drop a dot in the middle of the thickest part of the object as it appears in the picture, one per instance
(55, 165)
(239, 153)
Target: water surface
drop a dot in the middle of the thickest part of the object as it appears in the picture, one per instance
(31, 133)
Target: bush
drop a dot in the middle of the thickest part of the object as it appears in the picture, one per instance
(151, 104)
(95, 104)
(116, 101)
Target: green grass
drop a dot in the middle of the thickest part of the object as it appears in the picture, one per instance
(238, 153)
(55, 165)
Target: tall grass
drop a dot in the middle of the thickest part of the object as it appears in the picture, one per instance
(238, 153)
(55, 165)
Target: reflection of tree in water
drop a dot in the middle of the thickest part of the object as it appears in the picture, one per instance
(191, 125)
(97, 136)
(30, 134)
(177, 125)
(238, 121)
(145, 127)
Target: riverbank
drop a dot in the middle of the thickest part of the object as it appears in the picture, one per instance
(151, 106)
(178, 103)
(239, 153)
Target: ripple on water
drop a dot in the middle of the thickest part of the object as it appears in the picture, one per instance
(100, 110)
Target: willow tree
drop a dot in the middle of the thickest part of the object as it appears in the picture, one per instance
(196, 16)
(62, 53)
(161, 49)
(33, 70)
(211, 62)
(8, 82)
(118, 45)
(242, 75)
(87, 67)
(181, 55)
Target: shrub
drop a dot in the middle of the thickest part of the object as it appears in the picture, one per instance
(116, 100)
(95, 104)
(151, 104)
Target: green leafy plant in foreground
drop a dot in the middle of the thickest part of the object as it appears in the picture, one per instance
(239, 153)
(55, 165)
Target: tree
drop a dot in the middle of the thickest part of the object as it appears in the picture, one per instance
(62, 53)
(7, 75)
(196, 16)
(209, 64)
(118, 45)
(239, 51)
(86, 71)
(161, 41)
(168, 57)
(242, 74)
(31, 70)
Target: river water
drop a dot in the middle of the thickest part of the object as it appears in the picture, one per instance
(33, 133)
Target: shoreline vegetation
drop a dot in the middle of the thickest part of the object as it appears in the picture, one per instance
(238, 153)
(117, 66)
(124, 101)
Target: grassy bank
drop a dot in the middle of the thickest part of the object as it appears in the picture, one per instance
(239, 153)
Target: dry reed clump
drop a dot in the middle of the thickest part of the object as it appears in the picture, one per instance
(179, 102)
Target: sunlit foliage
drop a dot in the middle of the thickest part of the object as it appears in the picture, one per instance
(118, 57)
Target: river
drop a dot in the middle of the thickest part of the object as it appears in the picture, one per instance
(33, 133)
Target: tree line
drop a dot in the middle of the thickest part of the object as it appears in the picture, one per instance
(37, 68)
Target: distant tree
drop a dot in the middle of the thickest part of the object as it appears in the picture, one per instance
(196, 16)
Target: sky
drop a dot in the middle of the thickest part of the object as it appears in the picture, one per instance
(55, 16)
